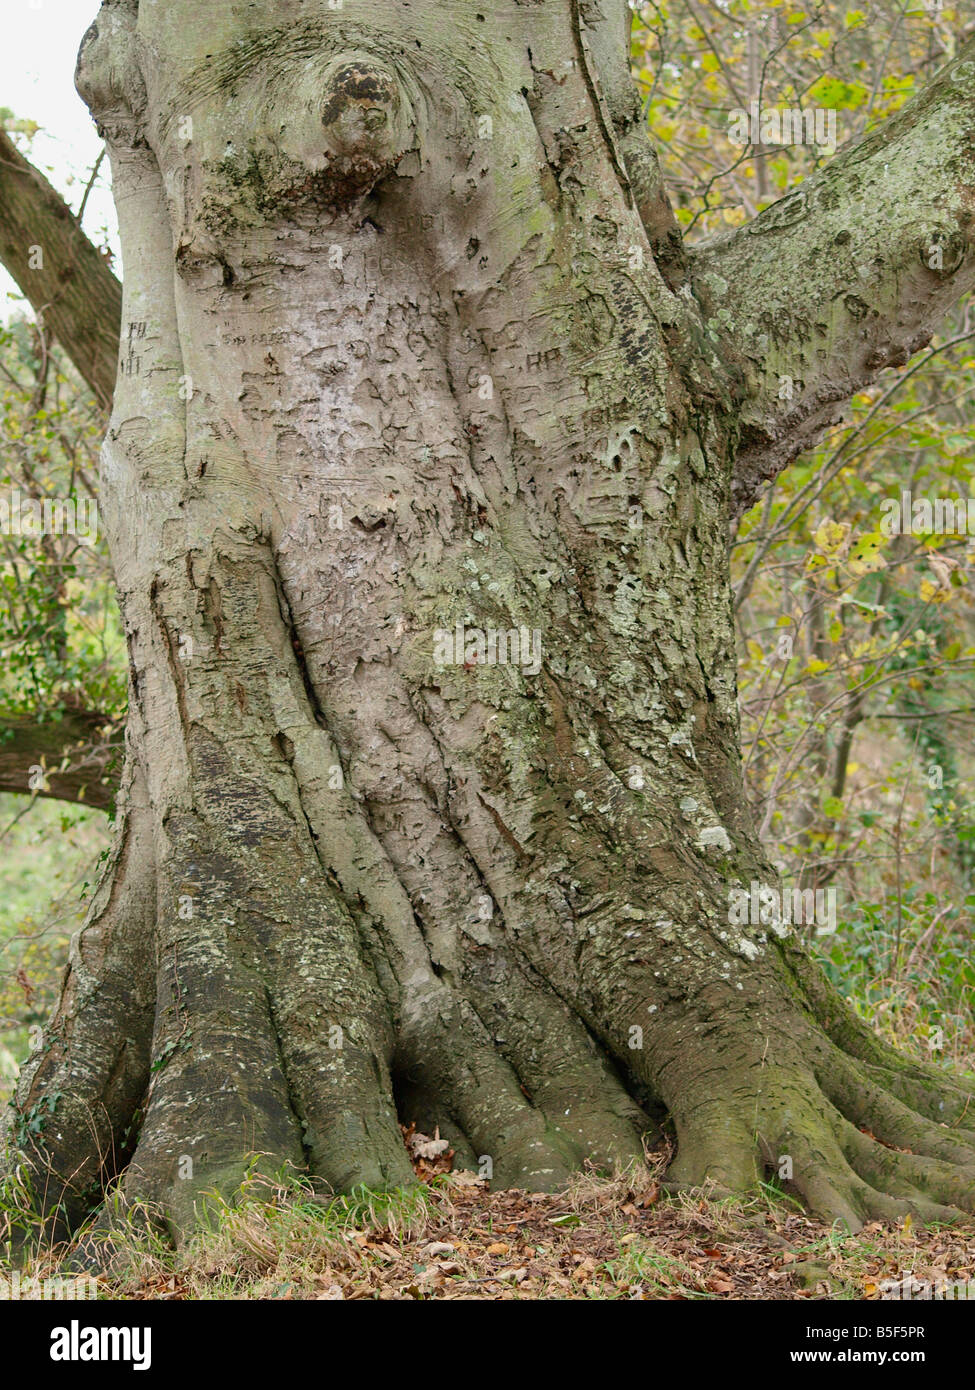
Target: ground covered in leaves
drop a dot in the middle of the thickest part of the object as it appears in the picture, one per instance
(453, 1238)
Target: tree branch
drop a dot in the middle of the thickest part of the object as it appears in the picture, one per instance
(69, 285)
(847, 275)
(603, 38)
(76, 757)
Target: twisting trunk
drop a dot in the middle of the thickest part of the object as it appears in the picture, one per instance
(411, 359)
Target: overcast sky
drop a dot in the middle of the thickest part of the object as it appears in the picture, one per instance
(40, 44)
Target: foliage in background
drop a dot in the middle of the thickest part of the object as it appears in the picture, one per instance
(62, 651)
(59, 626)
(856, 647)
(48, 854)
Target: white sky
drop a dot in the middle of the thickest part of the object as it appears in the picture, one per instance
(37, 58)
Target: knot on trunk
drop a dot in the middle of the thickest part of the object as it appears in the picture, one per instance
(367, 119)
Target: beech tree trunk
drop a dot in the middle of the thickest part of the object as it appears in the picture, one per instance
(410, 344)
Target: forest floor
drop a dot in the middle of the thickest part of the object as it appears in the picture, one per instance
(602, 1239)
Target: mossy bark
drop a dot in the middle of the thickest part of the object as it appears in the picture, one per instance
(409, 344)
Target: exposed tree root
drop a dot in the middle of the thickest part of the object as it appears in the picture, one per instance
(282, 967)
(264, 1044)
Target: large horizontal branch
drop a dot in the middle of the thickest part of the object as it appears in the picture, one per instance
(67, 281)
(849, 274)
(76, 757)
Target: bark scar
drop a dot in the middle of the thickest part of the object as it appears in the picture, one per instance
(523, 856)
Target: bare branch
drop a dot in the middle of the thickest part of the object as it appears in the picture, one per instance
(76, 757)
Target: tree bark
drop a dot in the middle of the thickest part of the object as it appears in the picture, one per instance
(414, 348)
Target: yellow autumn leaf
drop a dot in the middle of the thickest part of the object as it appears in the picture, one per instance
(830, 535)
(933, 593)
(868, 545)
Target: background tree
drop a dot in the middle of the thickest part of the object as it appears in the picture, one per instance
(62, 685)
(62, 689)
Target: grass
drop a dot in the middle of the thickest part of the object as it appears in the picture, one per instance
(602, 1239)
(48, 851)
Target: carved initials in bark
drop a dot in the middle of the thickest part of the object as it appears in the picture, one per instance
(419, 347)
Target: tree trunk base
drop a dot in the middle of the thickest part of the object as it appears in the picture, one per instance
(264, 1058)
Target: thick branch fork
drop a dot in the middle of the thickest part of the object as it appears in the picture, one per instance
(848, 274)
